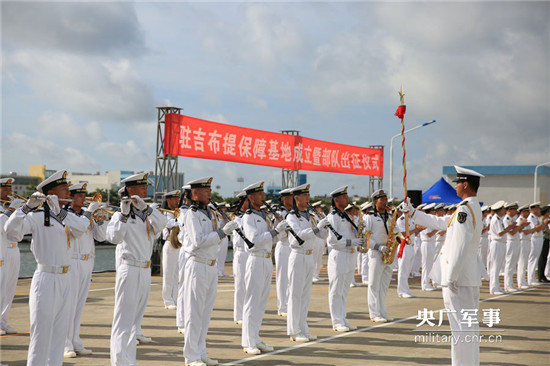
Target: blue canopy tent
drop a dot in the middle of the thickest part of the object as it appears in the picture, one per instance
(441, 192)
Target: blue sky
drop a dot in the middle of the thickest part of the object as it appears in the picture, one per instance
(81, 80)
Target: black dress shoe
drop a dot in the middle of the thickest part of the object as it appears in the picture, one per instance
(544, 280)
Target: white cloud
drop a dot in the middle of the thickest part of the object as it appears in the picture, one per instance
(125, 155)
(61, 126)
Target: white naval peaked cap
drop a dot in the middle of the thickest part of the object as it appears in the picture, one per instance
(485, 208)
(339, 191)
(498, 205)
(241, 194)
(511, 204)
(439, 206)
(175, 193)
(255, 187)
(54, 180)
(186, 187)
(136, 179)
(121, 191)
(378, 194)
(349, 207)
(430, 206)
(78, 188)
(286, 192)
(421, 206)
(466, 174)
(523, 208)
(304, 188)
(204, 182)
(6, 182)
(318, 203)
(366, 205)
(534, 204)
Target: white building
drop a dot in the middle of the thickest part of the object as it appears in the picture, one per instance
(509, 182)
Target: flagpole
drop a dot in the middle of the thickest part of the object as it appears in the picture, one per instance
(400, 113)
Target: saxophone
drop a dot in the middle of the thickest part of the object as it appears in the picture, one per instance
(392, 242)
(363, 234)
(173, 237)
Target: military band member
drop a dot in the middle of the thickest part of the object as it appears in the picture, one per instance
(497, 246)
(405, 263)
(282, 253)
(10, 259)
(378, 223)
(82, 266)
(512, 245)
(435, 273)
(201, 240)
(459, 264)
(341, 259)
(525, 247)
(353, 212)
(484, 241)
(240, 256)
(536, 242)
(428, 251)
(134, 228)
(50, 286)
(364, 257)
(259, 268)
(300, 264)
(184, 206)
(170, 252)
(320, 244)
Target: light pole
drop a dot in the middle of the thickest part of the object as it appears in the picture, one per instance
(535, 190)
(391, 151)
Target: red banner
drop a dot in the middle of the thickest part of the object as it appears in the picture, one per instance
(197, 138)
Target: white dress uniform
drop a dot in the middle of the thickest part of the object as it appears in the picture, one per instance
(379, 273)
(497, 253)
(259, 271)
(405, 263)
(9, 270)
(300, 269)
(340, 266)
(240, 256)
(512, 254)
(136, 236)
(82, 265)
(435, 272)
(536, 248)
(318, 251)
(525, 248)
(200, 243)
(182, 258)
(170, 267)
(484, 245)
(459, 267)
(282, 253)
(428, 254)
(50, 287)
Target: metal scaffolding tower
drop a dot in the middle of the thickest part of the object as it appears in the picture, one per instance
(376, 183)
(289, 176)
(166, 166)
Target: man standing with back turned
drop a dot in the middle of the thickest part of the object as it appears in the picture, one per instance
(460, 275)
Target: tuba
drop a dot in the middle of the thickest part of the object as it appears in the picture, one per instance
(392, 242)
(173, 237)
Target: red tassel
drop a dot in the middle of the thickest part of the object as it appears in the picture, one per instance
(402, 247)
(400, 112)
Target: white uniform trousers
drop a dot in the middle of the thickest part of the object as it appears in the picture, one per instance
(525, 248)
(466, 350)
(182, 258)
(170, 271)
(435, 272)
(259, 271)
(49, 306)
(511, 263)
(222, 256)
(484, 250)
(532, 262)
(300, 274)
(364, 267)
(201, 283)
(239, 270)
(282, 252)
(318, 251)
(341, 265)
(10, 273)
(131, 294)
(379, 282)
(81, 276)
(405, 264)
(497, 253)
(417, 262)
(428, 250)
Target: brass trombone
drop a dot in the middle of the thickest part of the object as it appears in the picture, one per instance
(175, 212)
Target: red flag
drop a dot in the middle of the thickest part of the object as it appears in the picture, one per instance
(400, 112)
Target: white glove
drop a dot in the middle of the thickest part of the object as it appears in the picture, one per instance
(139, 203)
(282, 226)
(36, 199)
(230, 227)
(93, 207)
(453, 287)
(53, 202)
(406, 206)
(154, 205)
(16, 203)
(125, 205)
(383, 249)
(358, 242)
(323, 223)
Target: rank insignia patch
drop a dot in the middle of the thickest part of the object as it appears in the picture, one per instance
(461, 217)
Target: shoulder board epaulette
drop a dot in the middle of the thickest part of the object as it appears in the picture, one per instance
(193, 208)
(333, 211)
(463, 203)
(294, 212)
(248, 212)
(370, 213)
